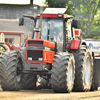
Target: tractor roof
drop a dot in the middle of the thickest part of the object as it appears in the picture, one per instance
(54, 13)
(54, 10)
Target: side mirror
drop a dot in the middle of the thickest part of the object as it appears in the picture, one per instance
(75, 23)
(21, 21)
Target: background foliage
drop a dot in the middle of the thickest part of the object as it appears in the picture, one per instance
(86, 11)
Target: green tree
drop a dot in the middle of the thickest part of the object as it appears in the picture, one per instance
(57, 3)
(96, 26)
(85, 11)
(60, 4)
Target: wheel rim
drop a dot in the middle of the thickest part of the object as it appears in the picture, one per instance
(87, 69)
(2, 49)
(18, 75)
(70, 73)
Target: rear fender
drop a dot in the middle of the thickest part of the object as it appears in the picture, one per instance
(83, 42)
(75, 44)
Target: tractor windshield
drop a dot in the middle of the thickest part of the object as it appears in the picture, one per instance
(52, 29)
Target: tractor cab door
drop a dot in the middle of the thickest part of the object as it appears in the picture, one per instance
(52, 29)
(56, 33)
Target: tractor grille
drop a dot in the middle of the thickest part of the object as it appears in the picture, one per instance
(35, 55)
(35, 42)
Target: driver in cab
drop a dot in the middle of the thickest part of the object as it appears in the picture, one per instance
(54, 32)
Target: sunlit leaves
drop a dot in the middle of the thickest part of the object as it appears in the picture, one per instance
(85, 10)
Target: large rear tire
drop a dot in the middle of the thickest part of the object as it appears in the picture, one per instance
(63, 72)
(29, 80)
(10, 78)
(83, 69)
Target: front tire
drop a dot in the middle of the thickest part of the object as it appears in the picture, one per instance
(63, 72)
(29, 80)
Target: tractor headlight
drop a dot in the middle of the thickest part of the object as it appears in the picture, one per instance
(29, 58)
(40, 59)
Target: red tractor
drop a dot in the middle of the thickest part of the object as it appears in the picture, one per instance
(4, 46)
(53, 55)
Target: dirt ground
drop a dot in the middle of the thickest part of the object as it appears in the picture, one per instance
(48, 94)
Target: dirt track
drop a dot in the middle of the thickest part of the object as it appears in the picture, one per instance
(48, 94)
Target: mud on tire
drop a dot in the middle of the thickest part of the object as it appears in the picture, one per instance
(83, 69)
(63, 72)
(9, 64)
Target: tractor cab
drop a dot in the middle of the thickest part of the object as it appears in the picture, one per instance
(51, 25)
(54, 23)
(52, 30)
